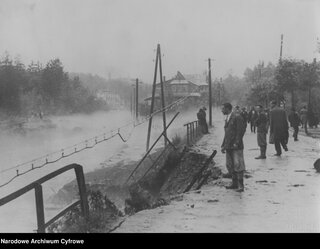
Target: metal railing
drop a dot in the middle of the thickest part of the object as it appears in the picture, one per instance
(36, 185)
(193, 131)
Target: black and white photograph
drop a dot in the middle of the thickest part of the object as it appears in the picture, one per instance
(159, 116)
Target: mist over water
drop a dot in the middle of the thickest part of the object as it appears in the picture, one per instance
(66, 131)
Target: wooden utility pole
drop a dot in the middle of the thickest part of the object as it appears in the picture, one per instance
(210, 93)
(219, 91)
(152, 101)
(162, 97)
(131, 104)
(158, 60)
(281, 48)
(280, 62)
(137, 99)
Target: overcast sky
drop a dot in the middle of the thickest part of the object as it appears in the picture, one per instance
(120, 36)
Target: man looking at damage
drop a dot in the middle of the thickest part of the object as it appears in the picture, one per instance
(232, 145)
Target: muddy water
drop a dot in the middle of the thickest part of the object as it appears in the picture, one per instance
(66, 131)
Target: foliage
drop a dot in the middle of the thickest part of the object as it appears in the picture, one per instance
(25, 90)
(262, 84)
(298, 78)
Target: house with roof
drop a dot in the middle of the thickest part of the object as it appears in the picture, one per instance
(178, 87)
(201, 81)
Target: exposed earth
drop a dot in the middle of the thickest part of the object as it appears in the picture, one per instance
(282, 194)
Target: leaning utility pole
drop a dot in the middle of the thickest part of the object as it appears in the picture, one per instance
(210, 93)
(158, 59)
(162, 97)
(152, 101)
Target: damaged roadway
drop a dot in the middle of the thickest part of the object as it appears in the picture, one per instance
(282, 194)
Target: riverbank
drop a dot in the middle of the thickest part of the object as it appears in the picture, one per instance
(281, 195)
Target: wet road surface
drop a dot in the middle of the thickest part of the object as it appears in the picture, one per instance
(282, 194)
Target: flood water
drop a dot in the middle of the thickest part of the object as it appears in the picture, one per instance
(65, 132)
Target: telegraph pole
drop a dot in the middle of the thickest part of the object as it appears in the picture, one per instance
(281, 48)
(219, 91)
(152, 101)
(280, 62)
(162, 98)
(137, 99)
(133, 102)
(210, 93)
(131, 105)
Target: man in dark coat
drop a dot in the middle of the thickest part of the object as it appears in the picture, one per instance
(262, 130)
(252, 116)
(201, 115)
(244, 115)
(279, 127)
(295, 121)
(304, 118)
(232, 145)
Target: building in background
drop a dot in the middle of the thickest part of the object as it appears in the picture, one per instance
(112, 99)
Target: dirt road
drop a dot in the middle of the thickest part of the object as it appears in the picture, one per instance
(282, 194)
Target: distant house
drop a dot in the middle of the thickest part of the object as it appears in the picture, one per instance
(201, 81)
(178, 87)
(112, 99)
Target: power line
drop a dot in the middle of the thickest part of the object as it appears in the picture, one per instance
(94, 141)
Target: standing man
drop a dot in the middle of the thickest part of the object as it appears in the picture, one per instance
(244, 115)
(294, 122)
(279, 127)
(232, 145)
(262, 130)
(201, 115)
(252, 118)
(304, 118)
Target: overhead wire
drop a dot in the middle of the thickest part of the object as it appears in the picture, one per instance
(95, 139)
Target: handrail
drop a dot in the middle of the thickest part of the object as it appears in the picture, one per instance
(192, 131)
(36, 185)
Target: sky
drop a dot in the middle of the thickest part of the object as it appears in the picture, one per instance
(118, 38)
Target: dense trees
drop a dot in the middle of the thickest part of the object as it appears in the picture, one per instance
(294, 81)
(33, 89)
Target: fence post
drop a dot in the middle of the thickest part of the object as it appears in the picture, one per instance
(82, 191)
(193, 132)
(40, 208)
(197, 130)
(188, 140)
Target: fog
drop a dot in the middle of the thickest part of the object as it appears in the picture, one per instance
(117, 38)
(64, 132)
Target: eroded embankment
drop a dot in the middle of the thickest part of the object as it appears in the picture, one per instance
(178, 170)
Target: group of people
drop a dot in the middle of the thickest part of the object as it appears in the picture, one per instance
(261, 121)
